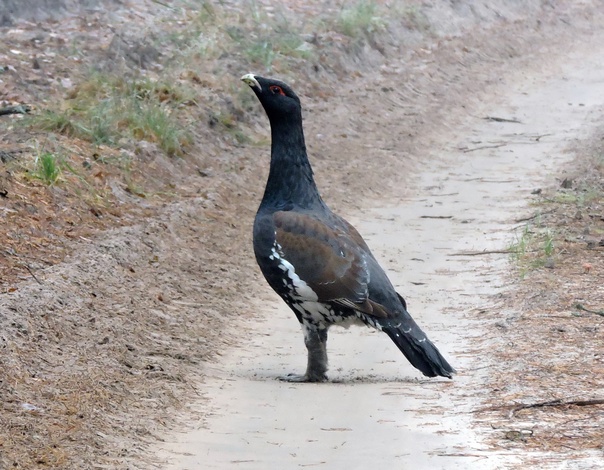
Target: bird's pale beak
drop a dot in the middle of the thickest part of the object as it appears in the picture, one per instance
(251, 81)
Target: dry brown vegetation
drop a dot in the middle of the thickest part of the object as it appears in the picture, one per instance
(550, 362)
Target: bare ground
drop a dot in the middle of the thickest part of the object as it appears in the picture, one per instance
(104, 346)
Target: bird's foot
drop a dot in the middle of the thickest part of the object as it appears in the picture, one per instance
(297, 378)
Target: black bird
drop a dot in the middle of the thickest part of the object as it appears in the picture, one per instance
(316, 261)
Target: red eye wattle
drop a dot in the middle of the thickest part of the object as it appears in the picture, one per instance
(277, 90)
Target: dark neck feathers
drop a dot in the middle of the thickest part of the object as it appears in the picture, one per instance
(290, 181)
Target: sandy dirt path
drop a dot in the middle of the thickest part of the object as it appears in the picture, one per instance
(377, 410)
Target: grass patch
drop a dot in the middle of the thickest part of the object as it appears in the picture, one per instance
(57, 121)
(533, 247)
(548, 243)
(104, 109)
(265, 40)
(202, 36)
(359, 20)
(46, 168)
(570, 225)
(581, 197)
(520, 244)
(146, 121)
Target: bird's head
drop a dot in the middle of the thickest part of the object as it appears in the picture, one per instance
(278, 99)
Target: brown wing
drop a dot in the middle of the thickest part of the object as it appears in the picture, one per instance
(327, 259)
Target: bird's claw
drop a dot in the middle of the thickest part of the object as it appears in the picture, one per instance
(297, 378)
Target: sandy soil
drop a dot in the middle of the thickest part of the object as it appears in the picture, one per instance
(128, 334)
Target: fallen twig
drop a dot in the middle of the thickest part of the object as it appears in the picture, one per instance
(595, 401)
(461, 454)
(498, 119)
(19, 109)
(7, 155)
(436, 217)
(478, 253)
(558, 402)
(32, 273)
(596, 312)
(467, 150)
(483, 180)
(534, 216)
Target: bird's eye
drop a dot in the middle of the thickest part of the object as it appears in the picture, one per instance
(276, 90)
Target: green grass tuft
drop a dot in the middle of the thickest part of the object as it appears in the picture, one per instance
(61, 122)
(519, 246)
(360, 19)
(266, 49)
(548, 243)
(268, 40)
(46, 168)
(533, 248)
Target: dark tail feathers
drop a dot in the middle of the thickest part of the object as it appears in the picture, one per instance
(417, 348)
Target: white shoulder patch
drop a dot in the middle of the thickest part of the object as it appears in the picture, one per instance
(302, 290)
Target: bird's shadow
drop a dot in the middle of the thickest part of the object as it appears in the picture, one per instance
(350, 379)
